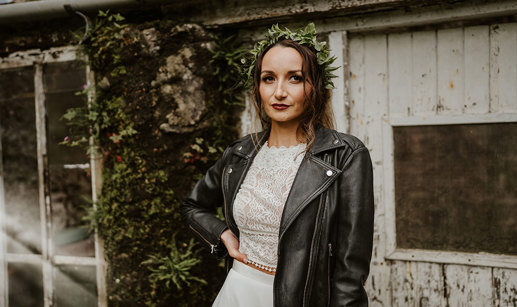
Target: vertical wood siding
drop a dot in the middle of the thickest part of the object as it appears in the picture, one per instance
(466, 70)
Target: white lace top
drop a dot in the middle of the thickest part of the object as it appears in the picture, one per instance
(260, 201)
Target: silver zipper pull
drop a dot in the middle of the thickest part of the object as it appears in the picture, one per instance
(330, 249)
(212, 246)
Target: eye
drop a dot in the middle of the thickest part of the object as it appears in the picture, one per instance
(268, 79)
(296, 78)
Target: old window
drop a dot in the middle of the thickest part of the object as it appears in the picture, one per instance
(48, 256)
(455, 187)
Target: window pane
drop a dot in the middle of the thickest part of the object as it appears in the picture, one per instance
(61, 82)
(69, 170)
(455, 187)
(19, 159)
(71, 190)
(25, 285)
(75, 286)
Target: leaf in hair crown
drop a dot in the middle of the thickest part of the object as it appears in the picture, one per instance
(304, 36)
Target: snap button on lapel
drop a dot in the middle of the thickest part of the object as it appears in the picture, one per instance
(335, 142)
(229, 171)
(329, 173)
(240, 147)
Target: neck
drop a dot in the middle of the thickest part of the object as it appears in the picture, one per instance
(283, 135)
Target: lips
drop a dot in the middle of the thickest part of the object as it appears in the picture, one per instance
(279, 106)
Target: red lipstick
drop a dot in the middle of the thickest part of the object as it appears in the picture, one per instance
(279, 106)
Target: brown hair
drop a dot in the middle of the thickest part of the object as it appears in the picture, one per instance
(318, 111)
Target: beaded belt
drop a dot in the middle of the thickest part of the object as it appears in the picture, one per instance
(263, 268)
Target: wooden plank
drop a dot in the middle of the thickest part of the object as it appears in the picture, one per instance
(24, 258)
(424, 72)
(374, 110)
(401, 284)
(454, 119)
(468, 286)
(417, 284)
(389, 188)
(339, 103)
(400, 73)
(450, 71)
(29, 57)
(96, 162)
(503, 67)
(505, 287)
(480, 259)
(44, 191)
(357, 85)
(477, 67)
(4, 280)
(428, 288)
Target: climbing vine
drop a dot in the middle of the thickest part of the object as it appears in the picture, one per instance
(152, 258)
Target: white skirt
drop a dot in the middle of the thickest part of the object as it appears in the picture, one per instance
(245, 287)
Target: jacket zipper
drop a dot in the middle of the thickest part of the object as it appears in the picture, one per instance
(224, 199)
(311, 253)
(328, 273)
(212, 246)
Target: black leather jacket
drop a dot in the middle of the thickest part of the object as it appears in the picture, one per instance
(326, 230)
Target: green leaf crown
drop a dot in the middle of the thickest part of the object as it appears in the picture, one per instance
(306, 37)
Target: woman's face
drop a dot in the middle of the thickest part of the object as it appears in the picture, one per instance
(281, 86)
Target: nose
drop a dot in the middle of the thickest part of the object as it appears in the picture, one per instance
(280, 91)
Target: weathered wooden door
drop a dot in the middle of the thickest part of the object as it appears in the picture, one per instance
(438, 110)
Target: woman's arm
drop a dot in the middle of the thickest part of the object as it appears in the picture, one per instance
(199, 208)
(354, 231)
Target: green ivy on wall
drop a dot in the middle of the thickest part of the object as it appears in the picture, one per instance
(151, 256)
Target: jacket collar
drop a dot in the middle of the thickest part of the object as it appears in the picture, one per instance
(325, 139)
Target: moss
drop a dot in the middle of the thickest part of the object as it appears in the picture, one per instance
(158, 135)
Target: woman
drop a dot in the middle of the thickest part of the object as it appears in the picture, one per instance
(297, 197)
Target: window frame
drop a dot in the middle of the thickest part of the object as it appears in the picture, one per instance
(37, 58)
(433, 256)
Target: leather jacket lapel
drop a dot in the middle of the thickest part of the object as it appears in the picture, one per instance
(234, 174)
(313, 177)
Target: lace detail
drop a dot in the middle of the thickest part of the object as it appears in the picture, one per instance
(261, 198)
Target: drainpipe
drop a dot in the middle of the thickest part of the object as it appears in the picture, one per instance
(48, 9)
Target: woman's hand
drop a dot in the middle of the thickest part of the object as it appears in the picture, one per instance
(232, 245)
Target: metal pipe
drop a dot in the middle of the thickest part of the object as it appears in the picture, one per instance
(48, 9)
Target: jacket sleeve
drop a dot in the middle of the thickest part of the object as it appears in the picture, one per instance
(199, 208)
(354, 231)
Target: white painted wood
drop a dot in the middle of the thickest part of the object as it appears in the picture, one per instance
(417, 284)
(29, 57)
(250, 123)
(44, 196)
(96, 160)
(429, 284)
(477, 68)
(339, 103)
(4, 280)
(503, 67)
(389, 188)
(400, 74)
(424, 78)
(454, 119)
(505, 287)
(75, 260)
(24, 258)
(357, 84)
(401, 18)
(375, 107)
(468, 286)
(401, 284)
(450, 71)
(475, 259)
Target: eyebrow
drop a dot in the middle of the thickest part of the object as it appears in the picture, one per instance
(271, 72)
